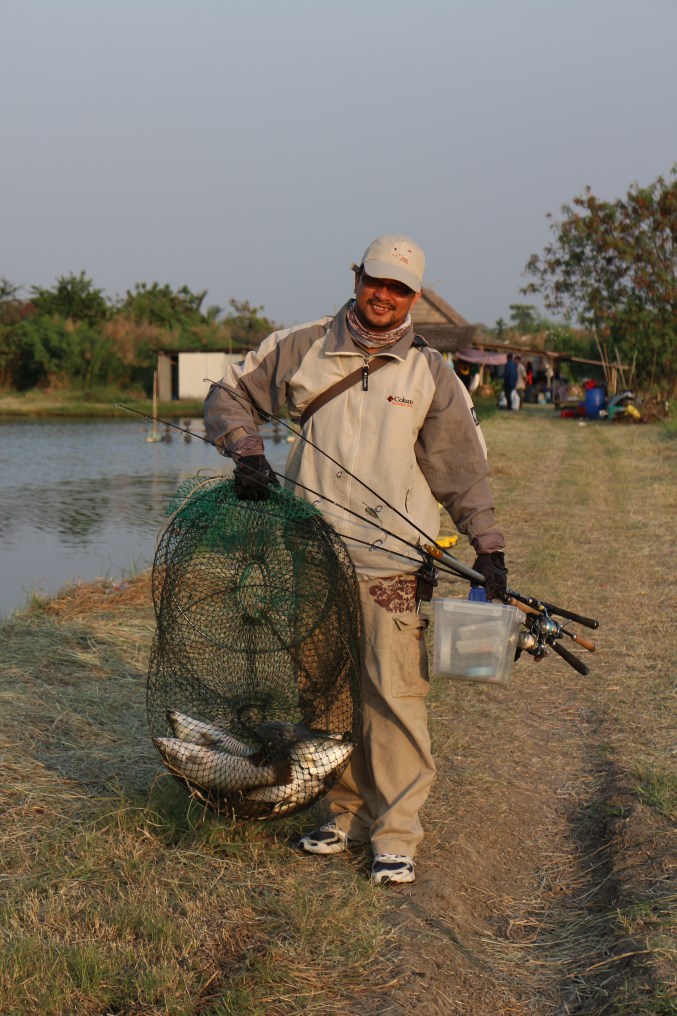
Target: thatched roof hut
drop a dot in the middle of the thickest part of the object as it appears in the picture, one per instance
(442, 326)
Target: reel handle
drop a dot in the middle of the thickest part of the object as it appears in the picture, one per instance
(572, 660)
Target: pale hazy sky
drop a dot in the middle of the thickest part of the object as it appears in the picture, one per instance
(255, 148)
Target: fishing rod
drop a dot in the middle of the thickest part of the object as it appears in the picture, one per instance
(452, 566)
(156, 419)
(541, 628)
(472, 574)
(459, 568)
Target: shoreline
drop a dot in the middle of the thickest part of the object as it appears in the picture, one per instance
(39, 405)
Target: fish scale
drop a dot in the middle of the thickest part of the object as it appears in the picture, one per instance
(215, 770)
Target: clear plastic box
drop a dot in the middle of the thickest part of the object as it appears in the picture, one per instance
(475, 641)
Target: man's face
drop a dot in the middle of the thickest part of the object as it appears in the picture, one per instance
(382, 304)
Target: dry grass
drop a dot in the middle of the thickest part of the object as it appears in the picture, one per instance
(586, 920)
(118, 894)
(552, 819)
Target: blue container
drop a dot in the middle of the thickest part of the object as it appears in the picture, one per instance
(594, 401)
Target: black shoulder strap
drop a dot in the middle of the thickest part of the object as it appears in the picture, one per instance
(347, 382)
(341, 386)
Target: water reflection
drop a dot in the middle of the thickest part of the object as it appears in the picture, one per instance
(85, 499)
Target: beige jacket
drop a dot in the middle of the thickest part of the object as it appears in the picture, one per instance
(412, 437)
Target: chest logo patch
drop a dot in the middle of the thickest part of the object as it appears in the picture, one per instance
(399, 400)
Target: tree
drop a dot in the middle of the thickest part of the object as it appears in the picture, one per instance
(74, 297)
(247, 328)
(8, 291)
(524, 318)
(613, 265)
(163, 306)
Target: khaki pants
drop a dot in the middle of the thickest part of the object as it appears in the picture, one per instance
(391, 771)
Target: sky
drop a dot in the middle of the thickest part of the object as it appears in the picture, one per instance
(254, 149)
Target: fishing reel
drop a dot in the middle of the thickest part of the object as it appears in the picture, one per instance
(541, 631)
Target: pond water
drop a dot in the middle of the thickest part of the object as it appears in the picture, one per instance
(81, 500)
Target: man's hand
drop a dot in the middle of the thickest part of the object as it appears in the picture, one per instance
(492, 566)
(253, 476)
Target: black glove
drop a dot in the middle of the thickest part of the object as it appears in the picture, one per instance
(253, 476)
(492, 566)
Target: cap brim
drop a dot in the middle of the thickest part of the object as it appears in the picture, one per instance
(389, 270)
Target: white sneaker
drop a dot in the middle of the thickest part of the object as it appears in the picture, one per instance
(389, 868)
(328, 839)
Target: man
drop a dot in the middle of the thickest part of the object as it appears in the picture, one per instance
(410, 432)
(509, 380)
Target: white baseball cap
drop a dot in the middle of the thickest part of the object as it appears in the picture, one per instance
(393, 256)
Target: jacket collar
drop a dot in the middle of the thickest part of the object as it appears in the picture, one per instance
(340, 341)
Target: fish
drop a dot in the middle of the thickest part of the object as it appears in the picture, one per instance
(210, 735)
(291, 767)
(314, 762)
(276, 736)
(213, 769)
(273, 734)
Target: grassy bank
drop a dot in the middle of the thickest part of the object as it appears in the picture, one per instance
(546, 879)
(95, 403)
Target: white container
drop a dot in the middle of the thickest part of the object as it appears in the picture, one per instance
(475, 641)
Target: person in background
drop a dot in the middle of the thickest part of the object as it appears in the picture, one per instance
(520, 384)
(462, 368)
(529, 393)
(411, 432)
(509, 380)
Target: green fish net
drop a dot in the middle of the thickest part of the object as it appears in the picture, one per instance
(254, 669)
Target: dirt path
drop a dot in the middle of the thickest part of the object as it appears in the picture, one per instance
(544, 883)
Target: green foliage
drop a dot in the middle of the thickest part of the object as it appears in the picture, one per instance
(163, 306)
(247, 327)
(71, 334)
(35, 350)
(524, 318)
(8, 291)
(74, 297)
(12, 309)
(613, 264)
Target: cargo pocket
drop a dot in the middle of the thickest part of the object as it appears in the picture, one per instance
(409, 657)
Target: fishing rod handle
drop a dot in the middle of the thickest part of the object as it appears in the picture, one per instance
(589, 622)
(581, 640)
(531, 601)
(572, 660)
(512, 602)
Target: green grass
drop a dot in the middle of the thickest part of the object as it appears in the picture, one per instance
(657, 788)
(98, 402)
(668, 429)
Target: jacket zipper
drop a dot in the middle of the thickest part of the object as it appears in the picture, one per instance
(365, 376)
(365, 371)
